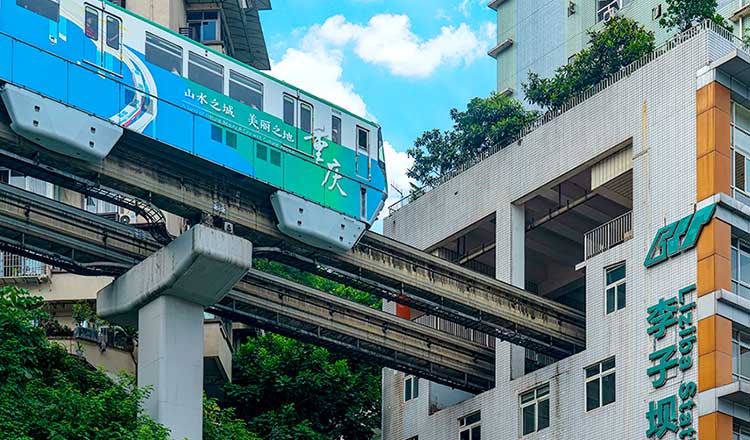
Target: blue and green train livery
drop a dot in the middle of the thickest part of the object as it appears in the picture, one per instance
(75, 74)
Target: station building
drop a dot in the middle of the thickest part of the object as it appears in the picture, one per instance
(631, 205)
(232, 27)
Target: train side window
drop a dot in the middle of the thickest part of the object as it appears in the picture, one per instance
(363, 140)
(336, 129)
(305, 117)
(49, 9)
(206, 72)
(113, 32)
(92, 23)
(246, 90)
(288, 110)
(163, 53)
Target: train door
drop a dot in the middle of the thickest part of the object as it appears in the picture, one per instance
(363, 152)
(103, 42)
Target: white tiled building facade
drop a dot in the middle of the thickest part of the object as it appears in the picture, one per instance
(650, 115)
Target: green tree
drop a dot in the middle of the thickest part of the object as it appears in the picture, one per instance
(222, 424)
(286, 390)
(684, 14)
(620, 42)
(487, 122)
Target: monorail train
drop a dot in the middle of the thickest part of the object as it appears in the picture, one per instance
(76, 73)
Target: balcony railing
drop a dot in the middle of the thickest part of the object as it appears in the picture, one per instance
(608, 235)
(17, 269)
(456, 330)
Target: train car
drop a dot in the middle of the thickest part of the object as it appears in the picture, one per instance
(75, 74)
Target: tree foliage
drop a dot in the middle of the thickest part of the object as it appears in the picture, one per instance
(288, 390)
(684, 14)
(620, 42)
(486, 123)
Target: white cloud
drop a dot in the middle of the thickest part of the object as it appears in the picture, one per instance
(440, 14)
(397, 163)
(387, 40)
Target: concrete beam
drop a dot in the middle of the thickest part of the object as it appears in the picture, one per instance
(166, 295)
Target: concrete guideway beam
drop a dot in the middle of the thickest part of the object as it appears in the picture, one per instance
(166, 294)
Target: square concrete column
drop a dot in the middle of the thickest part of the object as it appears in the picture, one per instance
(170, 359)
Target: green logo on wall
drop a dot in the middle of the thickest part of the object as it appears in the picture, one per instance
(678, 236)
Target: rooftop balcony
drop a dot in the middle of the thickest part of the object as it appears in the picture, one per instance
(608, 235)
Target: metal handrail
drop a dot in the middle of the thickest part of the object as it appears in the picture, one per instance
(608, 235)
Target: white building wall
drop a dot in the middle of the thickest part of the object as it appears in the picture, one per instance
(654, 109)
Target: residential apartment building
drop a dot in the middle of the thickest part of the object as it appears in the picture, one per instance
(541, 35)
(633, 208)
(230, 26)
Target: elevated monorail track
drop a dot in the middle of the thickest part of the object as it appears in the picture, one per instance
(194, 188)
(86, 243)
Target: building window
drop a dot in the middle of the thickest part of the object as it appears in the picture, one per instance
(741, 268)
(741, 354)
(535, 409)
(336, 130)
(740, 153)
(246, 90)
(606, 9)
(305, 117)
(411, 388)
(363, 140)
(206, 72)
(470, 427)
(204, 25)
(600, 384)
(288, 110)
(164, 54)
(92, 23)
(615, 290)
(46, 8)
(740, 431)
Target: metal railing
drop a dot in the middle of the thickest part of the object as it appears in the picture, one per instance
(608, 235)
(15, 268)
(552, 114)
(456, 330)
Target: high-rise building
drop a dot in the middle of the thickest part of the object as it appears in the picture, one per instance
(541, 35)
(232, 27)
(631, 208)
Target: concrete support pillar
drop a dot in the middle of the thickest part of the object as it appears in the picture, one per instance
(170, 359)
(165, 295)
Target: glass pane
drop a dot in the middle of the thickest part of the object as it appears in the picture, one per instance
(735, 257)
(46, 8)
(288, 111)
(476, 433)
(113, 33)
(163, 54)
(527, 397)
(610, 300)
(92, 23)
(305, 118)
(465, 435)
(472, 418)
(592, 394)
(744, 292)
(620, 296)
(608, 389)
(336, 129)
(745, 362)
(745, 268)
(543, 408)
(362, 139)
(608, 364)
(615, 274)
(216, 133)
(592, 370)
(527, 419)
(407, 389)
(542, 391)
(246, 90)
(415, 388)
(741, 117)
(206, 72)
(231, 139)
(735, 358)
(741, 140)
(208, 31)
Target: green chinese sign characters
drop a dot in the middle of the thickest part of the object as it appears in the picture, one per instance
(672, 316)
(678, 236)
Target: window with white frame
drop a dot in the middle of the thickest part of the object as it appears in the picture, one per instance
(534, 409)
(411, 388)
(615, 287)
(741, 267)
(606, 9)
(600, 384)
(470, 427)
(740, 142)
(204, 25)
(740, 354)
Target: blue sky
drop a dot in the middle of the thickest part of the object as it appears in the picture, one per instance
(405, 63)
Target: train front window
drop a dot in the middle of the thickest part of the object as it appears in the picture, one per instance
(163, 53)
(46, 8)
(246, 90)
(288, 110)
(305, 117)
(362, 139)
(206, 72)
(336, 129)
(92, 23)
(113, 32)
